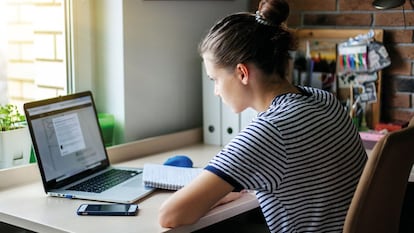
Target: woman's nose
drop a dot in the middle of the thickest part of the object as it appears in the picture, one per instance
(216, 92)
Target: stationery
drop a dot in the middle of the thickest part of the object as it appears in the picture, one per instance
(168, 177)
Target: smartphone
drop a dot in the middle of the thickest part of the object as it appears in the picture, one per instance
(108, 209)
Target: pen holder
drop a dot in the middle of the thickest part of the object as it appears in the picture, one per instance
(107, 123)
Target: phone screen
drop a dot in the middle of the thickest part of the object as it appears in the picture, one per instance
(108, 209)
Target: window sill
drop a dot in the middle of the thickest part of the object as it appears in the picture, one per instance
(25, 174)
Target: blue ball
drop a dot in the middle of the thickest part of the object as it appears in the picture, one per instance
(179, 161)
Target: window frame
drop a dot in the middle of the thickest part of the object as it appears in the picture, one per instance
(79, 65)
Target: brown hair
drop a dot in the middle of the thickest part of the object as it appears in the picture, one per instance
(260, 38)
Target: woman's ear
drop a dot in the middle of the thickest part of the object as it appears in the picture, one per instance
(242, 73)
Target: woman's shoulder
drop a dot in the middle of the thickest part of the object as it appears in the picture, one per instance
(314, 90)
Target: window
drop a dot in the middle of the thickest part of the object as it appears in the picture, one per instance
(34, 60)
(33, 63)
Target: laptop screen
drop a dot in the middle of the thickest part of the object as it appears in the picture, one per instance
(66, 136)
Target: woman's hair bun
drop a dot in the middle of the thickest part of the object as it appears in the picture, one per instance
(274, 11)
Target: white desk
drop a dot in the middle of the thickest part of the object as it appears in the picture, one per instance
(27, 206)
(23, 202)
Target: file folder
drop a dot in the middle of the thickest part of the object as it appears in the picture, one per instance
(230, 124)
(246, 117)
(211, 111)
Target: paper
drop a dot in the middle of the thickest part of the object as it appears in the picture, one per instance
(168, 177)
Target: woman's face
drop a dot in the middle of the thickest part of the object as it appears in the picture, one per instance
(227, 85)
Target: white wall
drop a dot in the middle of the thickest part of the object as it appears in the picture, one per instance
(109, 62)
(147, 64)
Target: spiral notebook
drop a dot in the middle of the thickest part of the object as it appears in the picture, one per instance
(168, 177)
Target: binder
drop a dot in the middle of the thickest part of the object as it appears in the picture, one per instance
(246, 117)
(230, 124)
(211, 111)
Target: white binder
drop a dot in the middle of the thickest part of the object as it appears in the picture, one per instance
(230, 124)
(211, 111)
(246, 117)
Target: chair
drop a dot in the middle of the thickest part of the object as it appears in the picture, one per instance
(378, 198)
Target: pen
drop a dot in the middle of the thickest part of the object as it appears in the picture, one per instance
(356, 56)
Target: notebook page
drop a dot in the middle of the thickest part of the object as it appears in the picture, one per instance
(168, 177)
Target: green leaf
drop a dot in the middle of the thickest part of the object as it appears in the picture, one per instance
(10, 117)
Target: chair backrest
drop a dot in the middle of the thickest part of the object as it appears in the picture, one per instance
(377, 202)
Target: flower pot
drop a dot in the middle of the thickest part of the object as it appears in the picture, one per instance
(107, 122)
(15, 146)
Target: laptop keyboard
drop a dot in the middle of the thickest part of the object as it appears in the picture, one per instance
(104, 181)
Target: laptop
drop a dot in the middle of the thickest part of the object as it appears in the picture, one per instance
(71, 154)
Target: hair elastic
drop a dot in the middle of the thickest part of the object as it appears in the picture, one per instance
(262, 20)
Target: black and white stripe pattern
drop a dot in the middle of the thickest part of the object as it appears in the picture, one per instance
(304, 158)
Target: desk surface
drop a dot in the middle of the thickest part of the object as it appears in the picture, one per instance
(29, 207)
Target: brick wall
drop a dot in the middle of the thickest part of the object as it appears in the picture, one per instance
(36, 63)
(397, 79)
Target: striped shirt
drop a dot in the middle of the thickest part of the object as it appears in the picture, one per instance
(303, 156)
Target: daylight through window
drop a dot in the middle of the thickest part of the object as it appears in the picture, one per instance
(32, 50)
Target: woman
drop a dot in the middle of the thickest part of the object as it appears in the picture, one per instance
(301, 154)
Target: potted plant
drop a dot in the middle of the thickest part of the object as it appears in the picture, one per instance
(15, 142)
